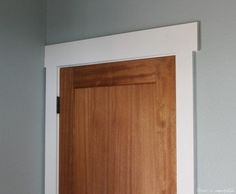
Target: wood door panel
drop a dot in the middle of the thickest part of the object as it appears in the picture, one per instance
(118, 137)
(119, 73)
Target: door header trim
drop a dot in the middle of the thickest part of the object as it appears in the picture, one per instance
(139, 44)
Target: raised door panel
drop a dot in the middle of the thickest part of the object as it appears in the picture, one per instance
(117, 128)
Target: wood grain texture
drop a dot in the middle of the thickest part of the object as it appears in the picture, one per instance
(119, 138)
(117, 73)
(66, 137)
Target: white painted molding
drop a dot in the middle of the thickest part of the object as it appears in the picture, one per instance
(180, 40)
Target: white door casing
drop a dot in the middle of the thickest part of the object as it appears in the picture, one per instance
(179, 40)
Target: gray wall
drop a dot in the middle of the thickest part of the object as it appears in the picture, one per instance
(215, 64)
(22, 34)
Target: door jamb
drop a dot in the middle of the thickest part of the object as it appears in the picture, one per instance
(179, 40)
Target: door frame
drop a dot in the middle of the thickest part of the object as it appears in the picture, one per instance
(179, 40)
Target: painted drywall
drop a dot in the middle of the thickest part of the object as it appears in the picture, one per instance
(22, 37)
(215, 69)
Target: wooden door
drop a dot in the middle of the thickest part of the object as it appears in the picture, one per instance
(118, 128)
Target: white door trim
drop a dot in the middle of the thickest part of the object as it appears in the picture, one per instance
(180, 40)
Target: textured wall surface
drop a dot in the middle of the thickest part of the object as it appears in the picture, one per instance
(22, 36)
(215, 65)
